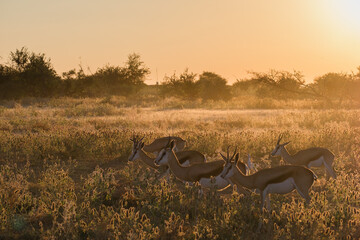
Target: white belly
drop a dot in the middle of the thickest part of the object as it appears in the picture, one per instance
(217, 182)
(316, 163)
(283, 187)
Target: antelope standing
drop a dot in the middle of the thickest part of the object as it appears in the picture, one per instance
(207, 174)
(282, 180)
(220, 183)
(191, 173)
(185, 157)
(311, 157)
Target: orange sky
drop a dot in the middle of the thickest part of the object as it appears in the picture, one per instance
(228, 37)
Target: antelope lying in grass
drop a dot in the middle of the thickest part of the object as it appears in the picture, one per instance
(207, 174)
(185, 157)
(282, 180)
(160, 143)
(311, 157)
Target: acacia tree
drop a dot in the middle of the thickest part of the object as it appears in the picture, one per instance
(135, 70)
(28, 74)
(115, 80)
(333, 85)
(279, 84)
(183, 86)
(108, 80)
(39, 76)
(213, 87)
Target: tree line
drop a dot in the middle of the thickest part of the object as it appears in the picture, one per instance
(29, 74)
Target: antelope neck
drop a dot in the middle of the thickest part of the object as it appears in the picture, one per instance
(146, 159)
(175, 166)
(285, 154)
(246, 181)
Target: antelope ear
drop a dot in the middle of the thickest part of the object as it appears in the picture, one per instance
(284, 144)
(236, 158)
(172, 144)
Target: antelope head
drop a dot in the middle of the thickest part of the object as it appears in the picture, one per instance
(137, 146)
(229, 169)
(278, 148)
(227, 160)
(163, 156)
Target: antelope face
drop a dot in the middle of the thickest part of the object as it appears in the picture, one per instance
(276, 151)
(279, 147)
(227, 171)
(135, 151)
(162, 157)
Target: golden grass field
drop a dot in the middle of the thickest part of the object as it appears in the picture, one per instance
(64, 172)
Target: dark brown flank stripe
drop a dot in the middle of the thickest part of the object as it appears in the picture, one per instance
(279, 179)
(305, 162)
(315, 157)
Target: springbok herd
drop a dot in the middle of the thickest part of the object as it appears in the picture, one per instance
(191, 166)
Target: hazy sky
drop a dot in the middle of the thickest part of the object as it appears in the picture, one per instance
(228, 37)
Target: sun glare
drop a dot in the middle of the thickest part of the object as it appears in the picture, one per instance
(347, 14)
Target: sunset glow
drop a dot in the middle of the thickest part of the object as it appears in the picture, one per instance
(346, 13)
(229, 38)
(187, 119)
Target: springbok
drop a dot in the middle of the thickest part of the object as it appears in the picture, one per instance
(191, 173)
(219, 183)
(311, 157)
(207, 174)
(160, 143)
(282, 180)
(185, 157)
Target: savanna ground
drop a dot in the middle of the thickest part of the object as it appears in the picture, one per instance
(64, 170)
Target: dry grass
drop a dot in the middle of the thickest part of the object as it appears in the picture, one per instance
(51, 187)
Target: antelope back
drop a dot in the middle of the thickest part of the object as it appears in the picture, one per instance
(161, 143)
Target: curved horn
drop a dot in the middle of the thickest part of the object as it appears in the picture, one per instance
(227, 152)
(168, 143)
(226, 160)
(279, 139)
(236, 159)
(233, 154)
